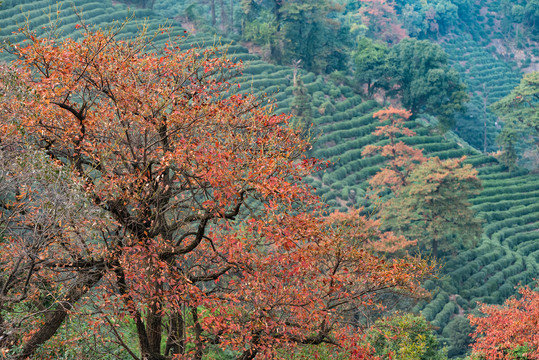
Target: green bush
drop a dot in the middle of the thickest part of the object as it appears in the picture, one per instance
(435, 306)
(442, 318)
(520, 238)
(457, 332)
(405, 336)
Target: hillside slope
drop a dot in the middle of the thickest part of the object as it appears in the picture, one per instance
(508, 253)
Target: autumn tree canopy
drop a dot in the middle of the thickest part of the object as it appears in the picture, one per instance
(508, 331)
(380, 18)
(433, 206)
(429, 197)
(182, 215)
(401, 158)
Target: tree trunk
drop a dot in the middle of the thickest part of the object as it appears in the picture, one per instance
(212, 9)
(248, 354)
(146, 342)
(224, 18)
(198, 333)
(231, 26)
(277, 13)
(485, 102)
(148, 352)
(154, 329)
(176, 337)
(435, 248)
(54, 318)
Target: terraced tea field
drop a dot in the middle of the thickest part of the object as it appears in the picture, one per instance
(508, 252)
(488, 79)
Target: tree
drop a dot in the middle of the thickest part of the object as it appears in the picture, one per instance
(381, 20)
(299, 30)
(446, 15)
(262, 29)
(371, 67)
(425, 83)
(430, 19)
(309, 34)
(224, 18)
(201, 233)
(59, 203)
(429, 196)
(520, 114)
(531, 15)
(301, 104)
(457, 332)
(404, 337)
(508, 139)
(433, 206)
(401, 158)
(413, 20)
(212, 12)
(508, 331)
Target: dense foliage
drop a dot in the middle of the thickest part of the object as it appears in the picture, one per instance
(203, 234)
(297, 30)
(405, 336)
(424, 80)
(433, 206)
(430, 195)
(508, 331)
(519, 112)
(489, 44)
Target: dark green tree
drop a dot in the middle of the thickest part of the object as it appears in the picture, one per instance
(446, 15)
(457, 332)
(425, 82)
(531, 15)
(262, 29)
(423, 19)
(301, 104)
(305, 30)
(413, 19)
(520, 113)
(371, 66)
(508, 139)
(310, 33)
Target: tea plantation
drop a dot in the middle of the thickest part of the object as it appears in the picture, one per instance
(507, 254)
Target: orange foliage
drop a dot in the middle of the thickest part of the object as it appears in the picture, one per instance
(402, 158)
(200, 230)
(506, 328)
(381, 19)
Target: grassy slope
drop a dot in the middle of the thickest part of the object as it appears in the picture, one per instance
(508, 253)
